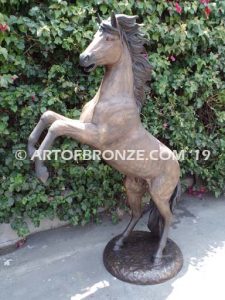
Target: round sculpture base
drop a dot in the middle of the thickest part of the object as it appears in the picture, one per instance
(134, 261)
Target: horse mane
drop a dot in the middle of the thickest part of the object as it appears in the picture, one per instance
(131, 34)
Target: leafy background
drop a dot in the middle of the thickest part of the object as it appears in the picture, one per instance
(40, 42)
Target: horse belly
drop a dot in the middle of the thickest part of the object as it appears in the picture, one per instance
(135, 168)
(139, 155)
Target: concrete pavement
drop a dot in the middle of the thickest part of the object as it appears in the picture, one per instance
(66, 263)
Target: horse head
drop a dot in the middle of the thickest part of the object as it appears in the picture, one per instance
(105, 48)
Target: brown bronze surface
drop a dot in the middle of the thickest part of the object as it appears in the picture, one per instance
(111, 121)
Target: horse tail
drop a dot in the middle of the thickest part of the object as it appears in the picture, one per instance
(155, 221)
(175, 196)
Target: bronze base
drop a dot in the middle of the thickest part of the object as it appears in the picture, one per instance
(134, 261)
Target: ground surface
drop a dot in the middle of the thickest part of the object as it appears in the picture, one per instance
(66, 264)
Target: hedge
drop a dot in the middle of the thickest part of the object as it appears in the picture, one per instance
(40, 42)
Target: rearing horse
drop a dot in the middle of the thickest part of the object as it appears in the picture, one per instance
(111, 120)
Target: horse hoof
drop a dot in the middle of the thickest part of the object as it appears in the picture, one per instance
(118, 246)
(157, 262)
(42, 173)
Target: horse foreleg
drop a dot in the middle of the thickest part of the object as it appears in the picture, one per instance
(86, 133)
(135, 189)
(46, 120)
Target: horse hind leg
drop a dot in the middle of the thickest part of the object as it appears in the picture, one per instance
(162, 194)
(135, 189)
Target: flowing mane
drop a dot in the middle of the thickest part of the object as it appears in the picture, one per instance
(131, 34)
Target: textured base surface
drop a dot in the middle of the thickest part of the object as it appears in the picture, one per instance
(134, 261)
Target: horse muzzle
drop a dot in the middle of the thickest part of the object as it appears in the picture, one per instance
(86, 61)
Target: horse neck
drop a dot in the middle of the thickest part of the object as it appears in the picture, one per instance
(118, 79)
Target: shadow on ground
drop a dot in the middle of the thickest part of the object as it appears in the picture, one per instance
(66, 264)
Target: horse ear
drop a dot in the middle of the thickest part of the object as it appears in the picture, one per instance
(99, 20)
(114, 20)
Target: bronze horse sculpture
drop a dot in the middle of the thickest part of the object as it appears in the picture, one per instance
(111, 120)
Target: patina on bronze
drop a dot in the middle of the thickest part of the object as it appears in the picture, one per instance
(111, 121)
(133, 262)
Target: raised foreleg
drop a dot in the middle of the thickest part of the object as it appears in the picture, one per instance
(46, 120)
(86, 133)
